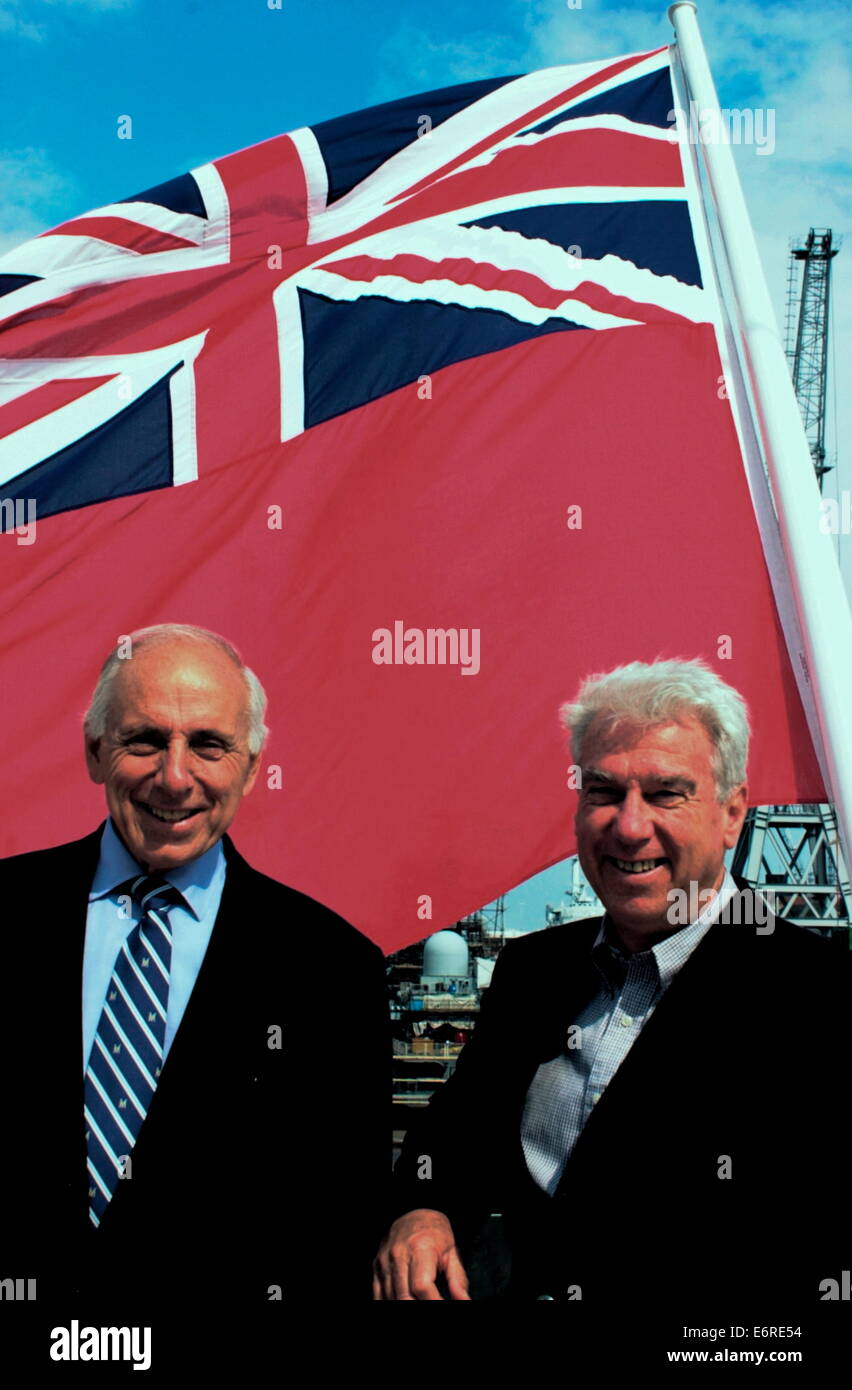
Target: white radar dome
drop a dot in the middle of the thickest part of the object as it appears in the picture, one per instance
(446, 953)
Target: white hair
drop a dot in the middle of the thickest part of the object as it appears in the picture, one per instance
(646, 694)
(95, 719)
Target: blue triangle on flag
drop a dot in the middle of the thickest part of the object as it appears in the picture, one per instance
(131, 452)
(410, 340)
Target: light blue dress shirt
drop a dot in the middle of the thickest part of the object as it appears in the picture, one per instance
(108, 925)
(565, 1090)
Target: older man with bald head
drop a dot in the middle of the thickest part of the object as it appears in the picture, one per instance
(168, 1058)
(174, 736)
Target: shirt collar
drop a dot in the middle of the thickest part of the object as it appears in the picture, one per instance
(194, 881)
(665, 958)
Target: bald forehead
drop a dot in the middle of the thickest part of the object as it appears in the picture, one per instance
(178, 676)
(197, 663)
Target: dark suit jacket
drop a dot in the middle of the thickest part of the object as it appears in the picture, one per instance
(744, 1056)
(255, 1166)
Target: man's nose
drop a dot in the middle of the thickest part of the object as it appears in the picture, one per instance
(633, 822)
(174, 774)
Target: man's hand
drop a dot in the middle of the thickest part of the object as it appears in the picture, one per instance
(418, 1248)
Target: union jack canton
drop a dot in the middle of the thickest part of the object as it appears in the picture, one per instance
(273, 289)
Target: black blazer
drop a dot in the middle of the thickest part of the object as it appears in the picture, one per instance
(253, 1163)
(745, 1057)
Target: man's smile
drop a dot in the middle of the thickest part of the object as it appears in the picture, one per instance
(636, 866)
(170, 817)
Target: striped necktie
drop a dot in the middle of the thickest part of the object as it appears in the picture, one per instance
(127, 1053)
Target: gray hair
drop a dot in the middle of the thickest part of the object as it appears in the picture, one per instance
(661, 692)
(95, 719)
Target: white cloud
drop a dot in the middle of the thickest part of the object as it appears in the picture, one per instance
(12, 21)
(412, 59)
(556, 34)
(31, 187)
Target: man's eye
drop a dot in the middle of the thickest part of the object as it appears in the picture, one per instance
(601, 796)
(140, 748)
(209, 748)
(666, 798)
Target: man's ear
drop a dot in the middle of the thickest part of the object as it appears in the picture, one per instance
(92, 749)
(735, 813)
(254, 769)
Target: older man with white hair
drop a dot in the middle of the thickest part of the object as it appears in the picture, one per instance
(171, 1029)
(650, 1098)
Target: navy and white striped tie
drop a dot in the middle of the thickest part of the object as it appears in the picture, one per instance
(127, 1053)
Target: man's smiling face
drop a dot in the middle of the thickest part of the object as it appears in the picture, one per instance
(174, 757)
(649, 821)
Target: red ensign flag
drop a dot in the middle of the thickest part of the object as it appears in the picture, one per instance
(423, 410)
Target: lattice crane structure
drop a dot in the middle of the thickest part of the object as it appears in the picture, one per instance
(808, 306)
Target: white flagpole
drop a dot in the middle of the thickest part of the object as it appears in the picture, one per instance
(821, 652)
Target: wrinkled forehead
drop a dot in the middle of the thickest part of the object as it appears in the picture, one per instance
(174, 685)
(684, 740)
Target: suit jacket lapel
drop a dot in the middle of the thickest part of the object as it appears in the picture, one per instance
(62, 985)
(678, 1046)
(559, 997)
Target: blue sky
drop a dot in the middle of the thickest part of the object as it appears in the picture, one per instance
(200, 78)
